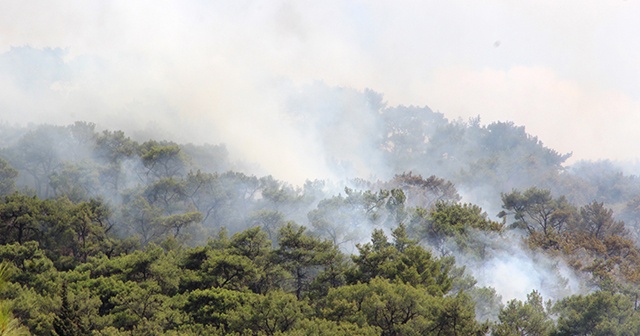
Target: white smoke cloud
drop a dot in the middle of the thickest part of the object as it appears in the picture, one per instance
(514, 270)
(222, 71)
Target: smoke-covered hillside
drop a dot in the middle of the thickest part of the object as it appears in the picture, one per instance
(502, 216)
(312, 168)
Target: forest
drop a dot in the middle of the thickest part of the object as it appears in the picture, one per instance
(461, 229)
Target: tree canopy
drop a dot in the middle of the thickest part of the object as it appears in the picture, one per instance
(104, 234)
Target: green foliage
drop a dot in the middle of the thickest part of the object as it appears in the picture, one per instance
(7, 177)
(19, 215)
(175, 224)
(487, 302)
(9, 325)
(66, 323)
(31, 267)
(213, 306)
(403, 261)
(524, 318)
(303, 285)
(269, 314)
(78, 181)
(537, 211)
(67, 232)
(269, 220)
(600, 313)
(166, 193)
(589, 239)
(401, 309)
(114, 146)
(34, 154)
(452, 221)
(162, 159)
(598, 222)
(304, 256)
(320, 327)
(424, 193)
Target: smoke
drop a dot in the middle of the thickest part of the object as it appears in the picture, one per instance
(589, 121)
(223, 72)
(283, 84)
(343, 127)
(514, 270)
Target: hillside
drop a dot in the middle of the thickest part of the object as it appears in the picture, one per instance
(430, 226)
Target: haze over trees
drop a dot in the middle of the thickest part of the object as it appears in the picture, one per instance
(105, 234)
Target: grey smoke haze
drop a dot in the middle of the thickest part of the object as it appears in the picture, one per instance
(252, 75)
(514, 270)
(225, 71)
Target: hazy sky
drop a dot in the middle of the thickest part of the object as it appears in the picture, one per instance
(218, 71)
